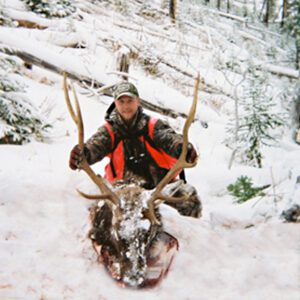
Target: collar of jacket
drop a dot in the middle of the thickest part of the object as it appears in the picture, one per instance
(137, 127)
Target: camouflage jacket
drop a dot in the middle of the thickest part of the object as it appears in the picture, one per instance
(138, 162)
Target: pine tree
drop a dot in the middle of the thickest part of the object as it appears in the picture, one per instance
(292, 26)
(51, 8)
(19, 119)
(256, 121)
(244, 190)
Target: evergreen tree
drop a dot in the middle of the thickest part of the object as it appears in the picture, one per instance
(292, 26)
(244, 190)
(51, 8)
(19, 119)
(256, 121)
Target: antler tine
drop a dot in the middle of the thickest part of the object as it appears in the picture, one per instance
(77, 118)
(93, 197)
(68, 101)
(189, 121)
(180, 164)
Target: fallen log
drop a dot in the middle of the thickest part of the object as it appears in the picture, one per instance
(86, 81)
(29, 24)
(205, 86)
(279, 70)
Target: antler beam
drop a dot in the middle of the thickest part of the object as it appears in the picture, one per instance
(180, 164)
(97, 179)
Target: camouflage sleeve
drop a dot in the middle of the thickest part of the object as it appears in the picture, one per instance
(98, 145)
(167, 139)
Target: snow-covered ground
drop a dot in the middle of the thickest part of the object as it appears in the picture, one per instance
(235, 251)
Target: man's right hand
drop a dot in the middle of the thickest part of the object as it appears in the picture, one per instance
(76, 156)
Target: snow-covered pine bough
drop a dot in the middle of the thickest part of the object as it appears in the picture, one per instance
(128, 233)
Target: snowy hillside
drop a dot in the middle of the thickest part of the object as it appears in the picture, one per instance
(236, 250)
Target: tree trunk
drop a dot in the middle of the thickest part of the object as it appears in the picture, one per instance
(246, 10)
(228, 6)
(297, 37)
(219, 4)
(298, 53)
(262, 9)
(172, 10)
(284, 12)
(270, 11)
(298, 137)
(123, 62)
(267, 15)
(236, 129)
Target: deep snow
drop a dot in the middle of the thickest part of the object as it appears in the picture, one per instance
(235, 251)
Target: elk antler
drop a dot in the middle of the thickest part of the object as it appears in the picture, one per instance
(107, 193)
(180, 164)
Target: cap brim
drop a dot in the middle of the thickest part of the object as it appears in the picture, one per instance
(126, 94)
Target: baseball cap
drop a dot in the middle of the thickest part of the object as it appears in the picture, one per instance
(125, 89)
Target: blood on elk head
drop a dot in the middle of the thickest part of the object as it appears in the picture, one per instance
(131, 218)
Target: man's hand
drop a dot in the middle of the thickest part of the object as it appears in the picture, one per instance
(76, 156)
(191, 154)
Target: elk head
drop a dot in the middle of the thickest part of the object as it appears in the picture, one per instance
(127, 221)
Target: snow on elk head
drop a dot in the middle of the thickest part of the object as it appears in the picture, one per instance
(130, 218)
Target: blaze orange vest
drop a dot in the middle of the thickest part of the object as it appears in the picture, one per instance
(114, 170)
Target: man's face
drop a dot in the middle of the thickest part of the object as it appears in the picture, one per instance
(127, 107)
